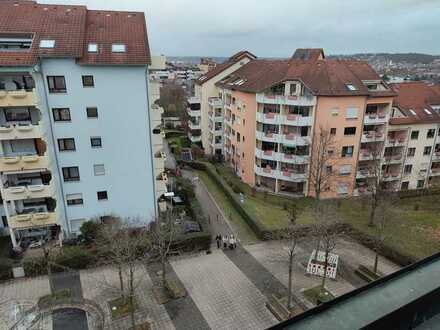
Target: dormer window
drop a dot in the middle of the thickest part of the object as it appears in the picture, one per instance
(351, 87)
(372, 87)
(412, 112)
(118, 48)
(293, 89)
(15, 42)
(47, 43)
(427, 112)
(92, 48)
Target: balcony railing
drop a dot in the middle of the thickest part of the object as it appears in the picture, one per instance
(372, 136)
(435, 171)
(22, 163)
(285, 175)
(26, 192)
(33, 220)
(286, 99)
(215, 102)
(192, 125)
(281, 157)
(12, 132)
(18, 98)
(195, 138)
(375, 119)
(193, 113)
(279, 119)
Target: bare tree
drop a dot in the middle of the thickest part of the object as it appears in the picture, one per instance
(161, 236)
(291, 250)
(124, 247)
(321, 161)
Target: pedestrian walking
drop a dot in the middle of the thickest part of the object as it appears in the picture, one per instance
(234, 241)
(218, 238)
(231, 242)
(225, 241)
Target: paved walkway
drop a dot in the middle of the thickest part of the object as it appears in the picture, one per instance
(183, 311)
(223, 294)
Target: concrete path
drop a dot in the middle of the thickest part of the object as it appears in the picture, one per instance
(183, 311)
(222, 293)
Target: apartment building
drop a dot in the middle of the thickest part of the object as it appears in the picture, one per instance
(75, 123)
(416, 116)
(276, 110)
(208, 101)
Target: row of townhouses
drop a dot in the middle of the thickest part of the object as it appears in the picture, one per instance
(79, 132)
(266, 117)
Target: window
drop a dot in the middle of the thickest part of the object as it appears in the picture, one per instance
(408, 169)
(244, 121)
(46, 43)
(118, 48)
(347, 151)
(5, 221)
(61, 114)
(335, 112)
(352, 113)
(430, 134)
(17, 114)
(349, 130)
(411, 152)
(92, 112)
(328, 169)
(414, 135)
(71, 173)
(351, 87)
(420, 183)
(92, 48)
(88, 81)
(293, 89)
(57, 84)
(345, 169)
(405, 185)
(102, 195)
(342, 188)
(96, 142)
(333, 131)
(99, 169)
(427, 151)
(238, 137)
(66, 144)
(74, 199)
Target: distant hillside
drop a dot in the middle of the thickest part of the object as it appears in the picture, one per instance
(412, 58)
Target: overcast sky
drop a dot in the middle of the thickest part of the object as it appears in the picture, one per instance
(277, 27)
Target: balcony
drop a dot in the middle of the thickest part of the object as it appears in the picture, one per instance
(266, 154)
(268, 136)
(295, 120)
(363, 173)
(193, 113)
(393, 159)
(26, 192)
(23, 163)
(288, 100)
(268, 118)
(13, 132)
(279, 156)
(33, 220)
(192, 125)
(435, 171)
(285, 175)
(266, 172)
(18, 98)
(436, 156)
(365, 155)
(391, 176)
(396, 139)
(372, 136)
(215, 102)
(195, 138)
(294, 139)
(375, 119)
(156, 115)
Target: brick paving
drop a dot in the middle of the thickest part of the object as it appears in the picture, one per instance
(222, 293)
(183, 311)
(100, 285)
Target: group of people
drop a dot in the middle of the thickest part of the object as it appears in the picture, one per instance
(226, 241)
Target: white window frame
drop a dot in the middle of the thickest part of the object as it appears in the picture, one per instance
(351, 113)
(47, 43)
(98, 169)
(92, 47)
(119, 48)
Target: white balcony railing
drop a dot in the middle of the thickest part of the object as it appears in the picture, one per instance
(17, 98)
(22, 163)
(371, 136)
(279, 119)
(13, 132)
(285, 175)
(26, 192)
(281, 157)
(215, 102)
(195, 138)
(33, 220)
(192, 125)
(286, 99)
(376, 119)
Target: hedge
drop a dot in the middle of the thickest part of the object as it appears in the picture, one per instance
(5, 269)
(193, 241)
(419, 192)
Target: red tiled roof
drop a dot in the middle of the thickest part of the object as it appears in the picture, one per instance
(322, 77)
(223, 66)
(72, 27)
(416, 96)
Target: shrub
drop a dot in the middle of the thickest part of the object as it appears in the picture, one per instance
(186, 188)
(237, 189)
(5, 269)
(89, 231)
(74, 257)
(35, 266)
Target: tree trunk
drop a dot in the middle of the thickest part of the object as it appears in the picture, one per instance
(373, 210)
(131, 289)
(318, 243)
(163, 272)
(121, 280)
(376, 261)
(289, 297)
(324, 277)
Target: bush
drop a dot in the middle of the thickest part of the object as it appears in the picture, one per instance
(89, 231)
(35, 266)
(186, 188)
(193, 241)
(5, 269)
(237, 189)
(75, 257)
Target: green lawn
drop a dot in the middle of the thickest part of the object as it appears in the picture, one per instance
(414, 229)
(245, 232)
